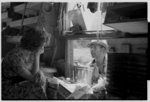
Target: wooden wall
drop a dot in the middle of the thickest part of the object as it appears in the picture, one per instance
(128, 45)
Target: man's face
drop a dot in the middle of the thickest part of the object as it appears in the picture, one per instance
(96, 50)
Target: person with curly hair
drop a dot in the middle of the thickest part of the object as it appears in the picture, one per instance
(21, 75)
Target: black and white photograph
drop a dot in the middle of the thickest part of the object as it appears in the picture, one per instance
(89, 50)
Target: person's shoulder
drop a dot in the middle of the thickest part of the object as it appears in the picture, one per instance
(15, 55)
(14, 52)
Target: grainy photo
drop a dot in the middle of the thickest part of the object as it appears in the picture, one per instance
(74, 50)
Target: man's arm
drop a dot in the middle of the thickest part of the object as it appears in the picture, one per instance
(26, 74)
(100, 85)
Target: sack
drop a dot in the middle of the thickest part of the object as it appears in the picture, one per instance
(76, 17)
(85, 18)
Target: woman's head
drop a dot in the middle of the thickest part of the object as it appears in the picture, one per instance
(33, 40)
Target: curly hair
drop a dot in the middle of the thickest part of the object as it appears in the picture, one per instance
(33, 39)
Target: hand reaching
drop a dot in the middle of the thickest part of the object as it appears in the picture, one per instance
(100, 85)
(40, 78)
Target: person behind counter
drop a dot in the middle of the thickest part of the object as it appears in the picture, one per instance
(21, 75)
(99, 49)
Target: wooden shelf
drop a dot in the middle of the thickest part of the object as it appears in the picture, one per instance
(110, 34)
(5, 4)
(5, 17)
(134, 27)
(134, 5)
(27, 22)
(32, 8)
(128, 17)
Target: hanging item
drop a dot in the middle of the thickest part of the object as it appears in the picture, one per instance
(48, 7)
(76, 17)
(21, 29)
(93, 6)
